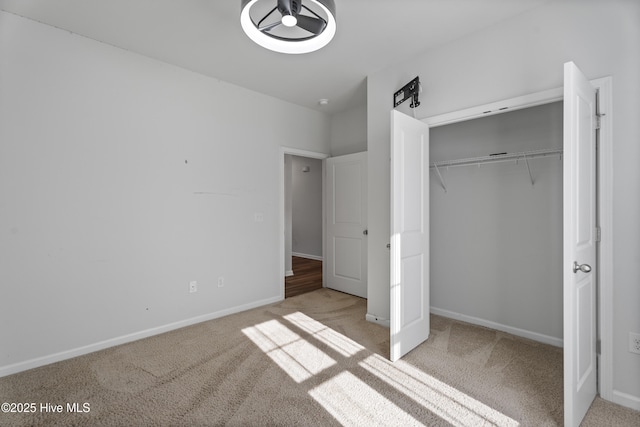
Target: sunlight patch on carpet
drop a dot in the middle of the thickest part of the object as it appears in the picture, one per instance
(297, 357)
(443, 400)
(348, 398)
(354, 403)
(338, 342)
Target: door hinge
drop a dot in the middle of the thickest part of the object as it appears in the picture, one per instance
(598, 234)
(598, 113)
(598, 121)
(598, 346)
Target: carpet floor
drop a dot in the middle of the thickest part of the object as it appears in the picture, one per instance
(310, 360)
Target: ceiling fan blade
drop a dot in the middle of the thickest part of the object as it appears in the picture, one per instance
(269, 27)
(264, 18)
(313, 25)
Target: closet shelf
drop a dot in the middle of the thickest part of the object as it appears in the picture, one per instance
(498, 158)
(495, 158)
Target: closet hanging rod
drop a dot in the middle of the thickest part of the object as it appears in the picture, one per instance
(498, 158)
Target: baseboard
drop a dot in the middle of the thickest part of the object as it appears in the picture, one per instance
(307, 256)
(288, 273)
(546, 339)
(376, 319)
(625, 399)
(68, 354)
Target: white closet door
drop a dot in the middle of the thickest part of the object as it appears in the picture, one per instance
(579, 192)
(409, 234)
(346, 261)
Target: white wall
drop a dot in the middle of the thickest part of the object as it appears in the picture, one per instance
(496, 240)
(122, 179)
(349, 131)
(306, 189)
(513, 58)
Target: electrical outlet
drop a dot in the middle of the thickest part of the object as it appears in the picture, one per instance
(193, 286)
(634, 343)
(220, 282)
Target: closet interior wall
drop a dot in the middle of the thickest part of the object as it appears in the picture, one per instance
(496, 238)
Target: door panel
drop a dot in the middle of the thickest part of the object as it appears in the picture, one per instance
(579, 223)
(347, 258)
(413, 310)
(346, 212)
(409, 234)
(584, 316)
(347, 177)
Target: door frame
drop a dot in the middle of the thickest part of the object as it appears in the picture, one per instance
(604, 207)
(281, 209)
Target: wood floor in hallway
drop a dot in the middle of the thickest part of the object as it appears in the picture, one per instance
(307, 277)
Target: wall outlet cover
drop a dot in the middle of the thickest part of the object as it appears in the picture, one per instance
(634, 343)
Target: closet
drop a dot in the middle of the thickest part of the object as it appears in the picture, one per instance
(496, 221)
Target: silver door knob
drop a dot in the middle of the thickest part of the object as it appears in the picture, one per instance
(365, 232)
(585, 268)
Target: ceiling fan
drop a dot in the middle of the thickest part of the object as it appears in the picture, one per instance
(291, 26)
(291, 16)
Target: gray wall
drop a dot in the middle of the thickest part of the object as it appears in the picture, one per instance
(306, 198)
(349, 131)
(513, 58)
(496, 240)
(122, 180)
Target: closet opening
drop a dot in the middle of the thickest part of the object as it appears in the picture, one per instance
(601, 334)
(496, 221)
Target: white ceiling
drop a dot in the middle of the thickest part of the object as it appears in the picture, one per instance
(205, 36)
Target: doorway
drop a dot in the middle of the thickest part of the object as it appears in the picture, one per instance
(286, 209)
(303, 224)
(496, 222)
(348, 175)
(585, 122)
(605, 206)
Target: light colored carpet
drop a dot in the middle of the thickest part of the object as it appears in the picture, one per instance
(309, 360)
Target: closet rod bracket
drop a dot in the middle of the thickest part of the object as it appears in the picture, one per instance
(444, 187)
(526, 160)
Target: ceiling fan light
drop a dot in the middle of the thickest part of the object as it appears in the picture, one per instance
(289, 21)
(291, 46)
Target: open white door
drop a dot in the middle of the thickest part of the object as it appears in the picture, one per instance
(409, 234)
(579, 201)
(346, 260)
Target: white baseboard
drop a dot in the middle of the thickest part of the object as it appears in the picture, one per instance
(547, 339)
(316, 257)
(625, 399)
(68, 354)
(376, 319)
(288, 273)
